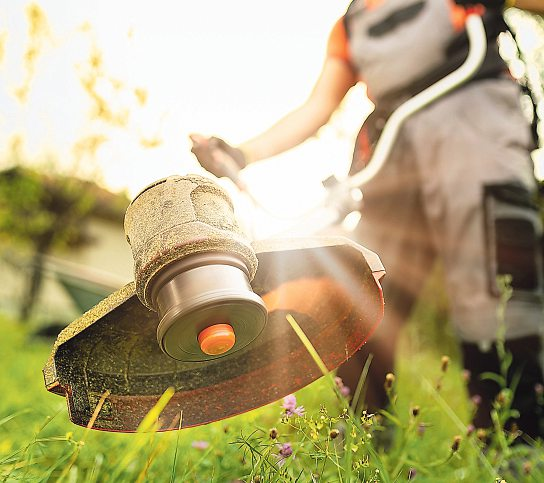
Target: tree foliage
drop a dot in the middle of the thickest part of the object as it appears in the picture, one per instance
(42, 210)
(42, 214)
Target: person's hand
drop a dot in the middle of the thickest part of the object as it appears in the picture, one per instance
(485, 3)
(217, 156)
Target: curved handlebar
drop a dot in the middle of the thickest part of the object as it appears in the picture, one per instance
(477, 50)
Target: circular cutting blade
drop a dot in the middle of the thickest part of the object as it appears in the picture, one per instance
(326, 285)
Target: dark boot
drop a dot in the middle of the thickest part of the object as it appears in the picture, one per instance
(526, 362)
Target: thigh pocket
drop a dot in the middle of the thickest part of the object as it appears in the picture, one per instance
(514, 239)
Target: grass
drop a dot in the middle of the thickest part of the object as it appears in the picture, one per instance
(38, 443)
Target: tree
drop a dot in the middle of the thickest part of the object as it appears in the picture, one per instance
(42, 214)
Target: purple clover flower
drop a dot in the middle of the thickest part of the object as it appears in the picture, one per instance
(290, 406)
(344, 390)
(285, 451)
(201, 445)
(289, 402)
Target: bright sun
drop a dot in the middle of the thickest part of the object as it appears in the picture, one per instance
(224, 68)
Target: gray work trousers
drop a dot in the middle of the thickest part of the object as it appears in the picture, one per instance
(454, 187)
(457, 186)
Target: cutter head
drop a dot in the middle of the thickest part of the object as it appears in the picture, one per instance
(329, 285)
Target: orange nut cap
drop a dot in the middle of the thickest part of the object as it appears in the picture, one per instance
(216, 339)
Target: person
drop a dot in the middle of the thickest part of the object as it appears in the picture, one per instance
(459, 184)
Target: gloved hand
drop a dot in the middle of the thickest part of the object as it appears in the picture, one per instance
(485, 3)
(217, 156)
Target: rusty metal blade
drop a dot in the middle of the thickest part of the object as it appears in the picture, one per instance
(328, 284)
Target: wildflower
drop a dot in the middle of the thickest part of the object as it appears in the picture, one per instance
(367, 424)
(421, 427)
(514, 429)
(415, 411)
(290, 406)
(389, 380)
(527, 467)
(285, 450)
(344, 390)
(201, 445)
(481, 434)
(539, 389)
(502, 398)
(289, 402)
(412, 473)
(470, 429)
(466, 375)
(476, 399)
(456, 443)
(444, 363)
(273, 433)
(334, 433)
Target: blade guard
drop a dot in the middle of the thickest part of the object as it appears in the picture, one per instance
(330, 286)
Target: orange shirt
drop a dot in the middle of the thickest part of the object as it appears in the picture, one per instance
(338, 45)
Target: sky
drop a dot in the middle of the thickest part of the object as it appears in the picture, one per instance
(229, 69)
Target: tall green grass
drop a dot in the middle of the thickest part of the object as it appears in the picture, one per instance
(421, 436)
